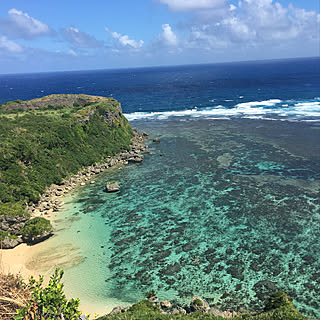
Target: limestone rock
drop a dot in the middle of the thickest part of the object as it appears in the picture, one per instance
(165, 304)
(179, 310)
(138, 158)
(112, 187)
(225, 314)
(119, 309)
(198, 304)
(10, 243)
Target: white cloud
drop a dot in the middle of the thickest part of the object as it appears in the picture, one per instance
(9, 45)
(80, 39)
(72, 52)
(123, 41)
(168, 37)
(188, 5)
(21, 25)
(256, 23)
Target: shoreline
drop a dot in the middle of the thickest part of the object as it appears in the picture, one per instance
(39, 259)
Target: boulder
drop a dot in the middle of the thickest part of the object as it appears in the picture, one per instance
(198, 304)
(112, 187)
(156, 140)
(165, 304)
(179, 310)
(119, 309)
(225, 314)
(8, 243)
(138, 158)
(38, 238)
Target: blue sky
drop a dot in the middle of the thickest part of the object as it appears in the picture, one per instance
(79, 35)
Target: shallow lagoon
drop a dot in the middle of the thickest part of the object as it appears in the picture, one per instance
(226, 209)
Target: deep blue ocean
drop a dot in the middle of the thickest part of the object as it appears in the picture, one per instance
(227, 206)
(287, 89)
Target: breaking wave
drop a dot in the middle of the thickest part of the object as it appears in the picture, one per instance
(273, 109)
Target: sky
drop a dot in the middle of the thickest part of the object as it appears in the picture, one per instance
(41, 36)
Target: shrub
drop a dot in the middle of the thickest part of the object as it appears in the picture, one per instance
(49, 303)
(198, 302)
(35, 227)
(12, 209)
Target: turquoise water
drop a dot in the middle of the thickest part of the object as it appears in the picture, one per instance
(227, 210)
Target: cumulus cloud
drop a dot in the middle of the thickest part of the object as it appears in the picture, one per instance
(252, 23)
(9, 45)
(21, 25)
(168, 37)
(124, 42)
(187, 5)
(80, 39)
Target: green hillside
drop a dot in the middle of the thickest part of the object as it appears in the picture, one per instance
(45, 140)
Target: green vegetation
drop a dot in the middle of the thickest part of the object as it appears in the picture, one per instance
(5, 234)
(45, 140)
(34, 228)
(50, 302)
(198, 302)
(281, 308)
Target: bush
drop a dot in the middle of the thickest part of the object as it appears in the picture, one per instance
(12, 209)
(49, 303)
(35, 227)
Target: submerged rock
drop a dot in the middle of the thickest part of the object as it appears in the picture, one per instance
(112, 187)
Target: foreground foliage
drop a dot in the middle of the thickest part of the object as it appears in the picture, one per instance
(49, 303)
(14, 294)
(279, 307)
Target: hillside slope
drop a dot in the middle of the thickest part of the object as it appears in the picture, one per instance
(43, 141)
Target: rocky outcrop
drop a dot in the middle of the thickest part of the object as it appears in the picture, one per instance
(165, 304)
(12, 224)
(38, 238)
(156, 140)
(198, 304)
(112, 187)
(119, 309)
(10, 243)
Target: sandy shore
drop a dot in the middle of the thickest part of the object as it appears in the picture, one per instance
(42, 259)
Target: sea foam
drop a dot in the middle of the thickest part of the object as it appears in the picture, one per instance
(275, 108)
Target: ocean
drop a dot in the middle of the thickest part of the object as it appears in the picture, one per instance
(227, 206)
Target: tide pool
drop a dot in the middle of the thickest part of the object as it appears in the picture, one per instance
(227, 210)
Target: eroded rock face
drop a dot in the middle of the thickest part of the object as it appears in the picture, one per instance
(8, 243)
(38, 238)
(198, 304)
(12, 224)
(112, 187)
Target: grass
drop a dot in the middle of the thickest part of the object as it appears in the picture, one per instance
(14, 295)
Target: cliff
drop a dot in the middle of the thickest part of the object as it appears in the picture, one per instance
(44, 141)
